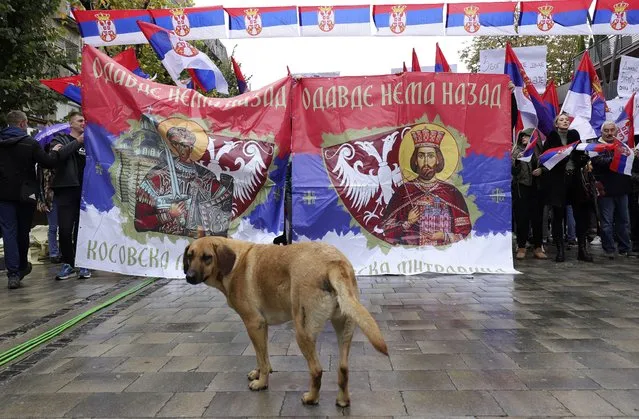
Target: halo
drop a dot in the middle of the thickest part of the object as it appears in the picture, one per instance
(201, 138)
(448, 148)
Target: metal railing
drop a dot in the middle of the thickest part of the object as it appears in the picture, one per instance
(627, 44)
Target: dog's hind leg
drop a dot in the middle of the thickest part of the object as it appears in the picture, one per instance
(344, 328)
(258, 332)
(306, 332)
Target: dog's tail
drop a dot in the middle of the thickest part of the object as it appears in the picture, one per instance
(343, 281)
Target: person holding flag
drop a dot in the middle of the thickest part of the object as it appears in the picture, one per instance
(526, 191)
(612, 169)
(564, 184)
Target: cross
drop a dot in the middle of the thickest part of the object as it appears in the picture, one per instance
(309, 198)
(498, 195)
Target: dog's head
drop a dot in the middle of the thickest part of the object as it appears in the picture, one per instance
(207, 260)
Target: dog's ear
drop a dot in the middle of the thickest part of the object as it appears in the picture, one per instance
(225, 259)
(185, 262)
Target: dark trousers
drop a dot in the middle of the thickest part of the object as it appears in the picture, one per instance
(633, 209)
(529, 211)
(581, 212)
(68, 200)
(15, 223)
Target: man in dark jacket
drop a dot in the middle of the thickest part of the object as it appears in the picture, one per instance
(67, 190)
(19, 154)
(613, 199)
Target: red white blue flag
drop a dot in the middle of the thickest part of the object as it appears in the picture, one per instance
(335, 20)
(565, 17)
(551, 100)
(241, 81)
(441, 65)
(262, 22)
(622, 159)
(193, 22)
(626, 123)
(69, 87)
(585, 101)
(490, 18)
(530, 148)
(616, 17)
(551, 157)
(177, 55)
(409, 19)
(111, 27)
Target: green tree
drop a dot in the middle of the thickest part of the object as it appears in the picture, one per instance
(561, 50)
(149, 61)
(28, 36)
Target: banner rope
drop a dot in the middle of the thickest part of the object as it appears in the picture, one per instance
(21, 349)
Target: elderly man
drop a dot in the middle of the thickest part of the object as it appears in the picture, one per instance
(613, 199)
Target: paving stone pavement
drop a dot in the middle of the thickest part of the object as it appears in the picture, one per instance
(558, 340)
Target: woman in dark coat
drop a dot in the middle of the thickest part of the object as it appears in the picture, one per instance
(565, 184)
(527, 200)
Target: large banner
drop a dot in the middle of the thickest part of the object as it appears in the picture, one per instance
(166, 164)
(405, 173)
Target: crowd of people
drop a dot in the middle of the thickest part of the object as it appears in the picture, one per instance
(581, 197)
(48, 178)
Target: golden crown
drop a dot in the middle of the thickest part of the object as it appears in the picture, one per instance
(177, 12)
(620, 7)
(399, 9)
(471, 10)
(326, 9)
(103, 16)
(426, 137)
(251, 12)
(545, 10)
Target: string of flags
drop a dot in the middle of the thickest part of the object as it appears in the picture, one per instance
(566, 17)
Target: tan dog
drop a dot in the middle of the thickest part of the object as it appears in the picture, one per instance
(265, 284)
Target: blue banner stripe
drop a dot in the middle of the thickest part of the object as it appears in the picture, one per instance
(123, 25)
(514, 73)
(578, 17)
(485, 19)
(581, 83)
(161, 44)
(281, 18)
(604, 16)
(413, 17)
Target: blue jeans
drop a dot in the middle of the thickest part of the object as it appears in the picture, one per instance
(613, 211)
(52, 220)
(571, 231)
(15, 222)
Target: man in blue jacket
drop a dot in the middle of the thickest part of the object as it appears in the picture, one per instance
(19, 153)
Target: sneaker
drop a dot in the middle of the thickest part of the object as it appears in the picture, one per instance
(521, 253)
(14, 282)
(84, 273)
(26, 271)
(596, 240)
(66, 272)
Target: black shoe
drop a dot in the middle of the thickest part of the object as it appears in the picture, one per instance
(628, 254)
(583, 253)
(26, 271)
(55, 259)
(561, 252)
(14, 282)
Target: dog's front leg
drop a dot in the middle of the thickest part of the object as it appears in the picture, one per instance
(258, 332)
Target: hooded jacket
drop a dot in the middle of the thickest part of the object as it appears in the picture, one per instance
(19, 154)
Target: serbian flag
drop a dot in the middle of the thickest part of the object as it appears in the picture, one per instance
(262, 22)
(177, 55)
(532, 111)
(565, 17)
(551, 157)
(530, 148)
(241, 81)
(593, 149)
(441, 65)
(335, 20)
(585, 101)
(69, 87)
(551, 100)
(409, 19)
(415, 66)
(626, 123)
(491, 18)
(128, 59)
(111, 27)
(193, 22)
(616, 17)
(622, 159)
